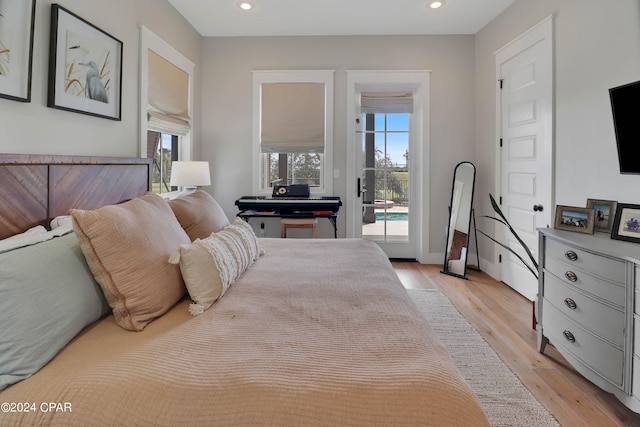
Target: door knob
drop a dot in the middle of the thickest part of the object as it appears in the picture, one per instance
(538, 208)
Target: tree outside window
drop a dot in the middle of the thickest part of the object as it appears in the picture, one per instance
(294, 168)
(164, 150)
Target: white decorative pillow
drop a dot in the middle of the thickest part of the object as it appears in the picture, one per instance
(32, 236)
(62, 221)
(210, 265)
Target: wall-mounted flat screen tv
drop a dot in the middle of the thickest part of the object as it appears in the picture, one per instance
(625, 105)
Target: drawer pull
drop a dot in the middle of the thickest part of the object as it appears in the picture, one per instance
(571, 256)
(570, 303)
(571, 276)
(569, 336)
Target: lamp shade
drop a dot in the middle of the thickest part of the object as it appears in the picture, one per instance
(190, 174)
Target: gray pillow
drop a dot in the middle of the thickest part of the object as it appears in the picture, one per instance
(47, 296)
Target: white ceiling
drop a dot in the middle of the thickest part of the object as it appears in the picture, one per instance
(219, 18)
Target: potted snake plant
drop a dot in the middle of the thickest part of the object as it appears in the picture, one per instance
(533, 266)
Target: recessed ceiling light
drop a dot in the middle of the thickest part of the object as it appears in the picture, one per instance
(436, 4)
(245, 5)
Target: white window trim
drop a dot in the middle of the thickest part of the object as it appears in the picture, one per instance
(150, 41)
(295, 76)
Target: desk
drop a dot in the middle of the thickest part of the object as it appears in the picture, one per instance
(290, 207)
(247, 215)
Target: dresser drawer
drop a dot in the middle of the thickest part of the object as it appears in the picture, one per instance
(595, 316)
(611, 269)
(603, 358)
(609, 291)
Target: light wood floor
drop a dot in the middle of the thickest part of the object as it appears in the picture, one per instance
(504, 318)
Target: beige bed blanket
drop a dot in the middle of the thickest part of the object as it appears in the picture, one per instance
(316, 332)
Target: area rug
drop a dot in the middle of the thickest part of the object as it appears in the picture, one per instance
(506, 401)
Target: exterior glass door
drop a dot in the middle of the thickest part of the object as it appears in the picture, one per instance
(384, 140)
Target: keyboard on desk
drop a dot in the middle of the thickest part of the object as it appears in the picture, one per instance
(289, 204)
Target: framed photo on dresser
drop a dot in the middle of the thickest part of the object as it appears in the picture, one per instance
(604, 211)
(626, 225)
(573, 218)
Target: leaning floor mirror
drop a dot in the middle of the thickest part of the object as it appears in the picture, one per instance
(460, 213)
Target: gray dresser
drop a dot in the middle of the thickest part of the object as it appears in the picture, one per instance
(586, 308)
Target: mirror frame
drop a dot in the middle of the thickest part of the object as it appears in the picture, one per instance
(452, 227)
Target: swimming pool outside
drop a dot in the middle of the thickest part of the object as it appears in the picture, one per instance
(392, 216)
(396, 229)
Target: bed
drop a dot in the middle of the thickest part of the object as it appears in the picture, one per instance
(297, 332)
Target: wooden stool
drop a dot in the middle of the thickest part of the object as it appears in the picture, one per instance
(286, 223)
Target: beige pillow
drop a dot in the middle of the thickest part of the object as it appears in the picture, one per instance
(126, 247)
(209, 266)
(199, 214)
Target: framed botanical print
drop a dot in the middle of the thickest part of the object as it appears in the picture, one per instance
(17, 19)
(85, 67)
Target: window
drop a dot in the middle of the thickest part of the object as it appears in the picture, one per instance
(166, 89)
(293, 129)
(164, 149)
(293, 168)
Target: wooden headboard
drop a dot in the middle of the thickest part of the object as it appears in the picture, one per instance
(36, 188)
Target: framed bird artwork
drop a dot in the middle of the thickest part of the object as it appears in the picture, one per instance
(85, 67)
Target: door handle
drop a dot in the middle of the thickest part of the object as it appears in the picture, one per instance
(538, 208)
(358, 189)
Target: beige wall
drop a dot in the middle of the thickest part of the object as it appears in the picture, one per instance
(596, 48)
(597, 45)
(227, 107)
(36, 129)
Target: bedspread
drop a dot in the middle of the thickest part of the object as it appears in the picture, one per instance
(317, 332)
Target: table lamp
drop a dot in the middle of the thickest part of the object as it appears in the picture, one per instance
(189, 175)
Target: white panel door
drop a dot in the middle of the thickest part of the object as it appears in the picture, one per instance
(525, 73)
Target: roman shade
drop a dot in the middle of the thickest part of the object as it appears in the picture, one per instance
(293, 118)
(386, 102)
(168, 96)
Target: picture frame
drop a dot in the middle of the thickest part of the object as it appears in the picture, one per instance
(604, 213)
(85, 67)
(573, 218)
(16, 48)
(626, 225)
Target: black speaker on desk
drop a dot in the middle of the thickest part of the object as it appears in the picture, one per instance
(293, 190)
